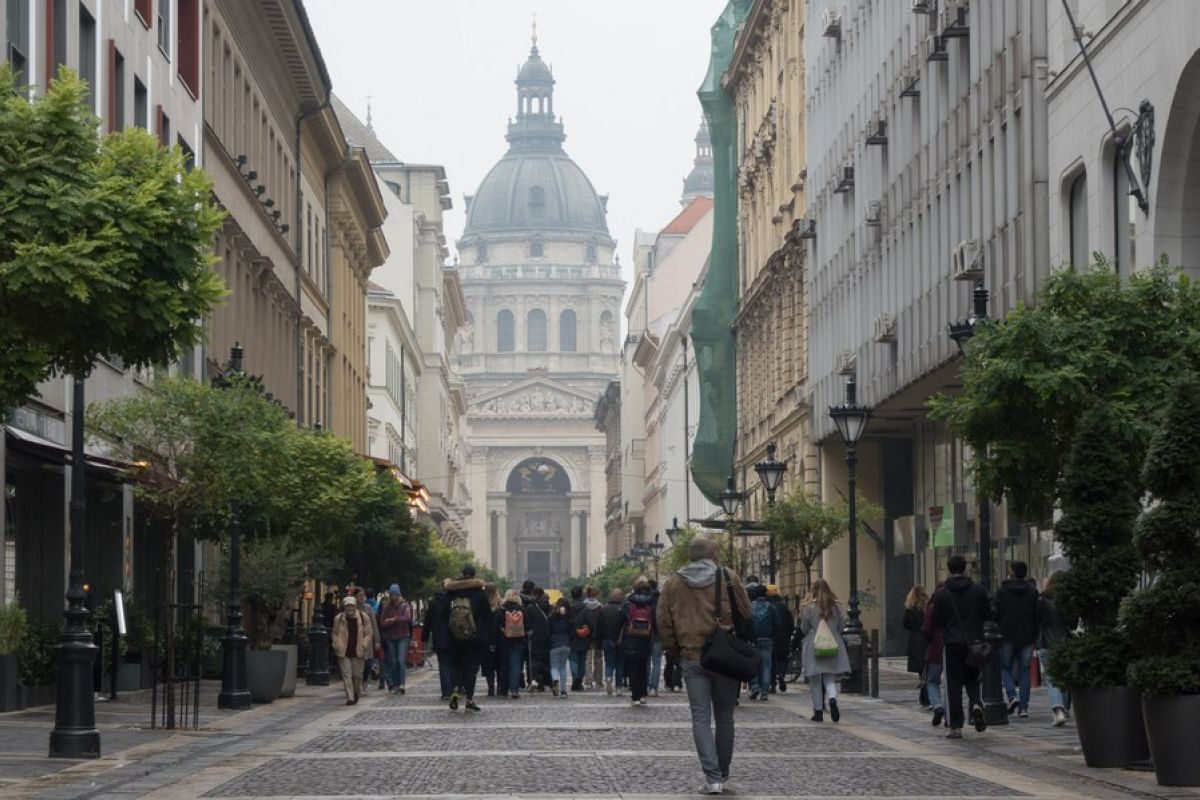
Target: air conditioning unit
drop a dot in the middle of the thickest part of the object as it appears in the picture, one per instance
(805, 227)
(920, 7)
(934, 49)
(885, 328)
(845, 180)
(952, 19)
(968, 261)
(874, 212)
(831, 24)
(877, 132)
(847, 362)
(910, 83)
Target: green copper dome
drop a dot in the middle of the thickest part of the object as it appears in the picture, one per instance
(536, 187)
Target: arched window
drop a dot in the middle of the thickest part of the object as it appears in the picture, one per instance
(590, 252)
(481, 253)
(566, 331)
(506, 338)
(1078, 218)
(535, 331)
(537, 202)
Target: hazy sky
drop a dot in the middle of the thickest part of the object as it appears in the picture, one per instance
(440, 77)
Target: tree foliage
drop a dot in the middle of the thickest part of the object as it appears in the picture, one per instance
(105, 241)
(806, 526)
(273, 571)
(1092, 338)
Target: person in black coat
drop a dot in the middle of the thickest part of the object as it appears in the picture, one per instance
(537, 613)
(437, 638)
(959, 610)
(914, 619)
(785, 625)
(609, 631)
(1053, 627)
(1016, 614)
(466, 652)
(583, 632)
(637, 620)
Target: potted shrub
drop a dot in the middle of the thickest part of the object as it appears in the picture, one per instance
(1096, 532)
(1164, 618)
(13, 629)
(38, 668)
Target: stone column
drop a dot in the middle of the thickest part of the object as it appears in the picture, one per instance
(576, 544)
(505, 542)
(596, 544)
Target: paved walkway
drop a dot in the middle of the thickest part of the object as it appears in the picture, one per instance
(593, 746)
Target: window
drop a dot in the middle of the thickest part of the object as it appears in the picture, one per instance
(566, 331)
(164, 27)
(164, 128)
(188, 51)
(189, 155)
(535, 331)
(144, 10)
(87, 53)
(1077, 212)
(116, 119)
(141, 105)
(590, 252)
(17, 21)
(536, 249)
(60, 36)
(537, 202)
(481, 254)
(505, 332)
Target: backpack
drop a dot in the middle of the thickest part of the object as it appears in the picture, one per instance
(640, 621)
(462, 620)
(764, 617)
(824, 642)
(514, 624)
(583, 624)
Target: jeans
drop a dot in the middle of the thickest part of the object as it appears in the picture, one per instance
(395, 652)
(614, 666)
(711, 695)
(822, 687)
(1056, 694)
(779, 665)
(596, 665)
(464, 667)
(656, 657)
(558, 666)
(514, 657)
(960, 675)
(933, 684)
(766, 648)
(638, 670)
(352, 672)
(1020, 658)
(578, 668)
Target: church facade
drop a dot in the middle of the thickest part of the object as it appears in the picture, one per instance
(543, 295)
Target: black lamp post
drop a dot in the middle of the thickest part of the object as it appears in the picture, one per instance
(75, 734)
(730, 498)
(673, 531)
(770, 473)
(656, 548)
(994, 709)
(851, 420)
(234, 693)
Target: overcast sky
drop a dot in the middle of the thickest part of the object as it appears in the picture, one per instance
(440, 77)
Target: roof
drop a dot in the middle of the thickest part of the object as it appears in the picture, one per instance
(359, 135)
(687, 219)
(536, 192)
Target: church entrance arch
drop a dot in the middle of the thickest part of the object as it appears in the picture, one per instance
(539, 506)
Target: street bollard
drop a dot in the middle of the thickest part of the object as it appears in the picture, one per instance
(874, 662)
(318, 653)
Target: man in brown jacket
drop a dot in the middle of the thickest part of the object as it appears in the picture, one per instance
(352, 640)
(685, 621)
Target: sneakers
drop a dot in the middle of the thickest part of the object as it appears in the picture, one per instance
(955, 733)
(818, 716)
(654, 692)
(754, 694)
(1060, 718)
(454, 701)
(1023, 713)
(711, 788)
(834, 713)
(1013, 705)
(351, 702)
(470, 706)
(978, 719)
(762, 697)
(633, 702)
(782, 686)
(554, 688)
(938, 715)
(642, 702)
(401, 690)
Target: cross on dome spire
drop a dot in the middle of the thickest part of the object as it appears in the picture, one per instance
(534, 37)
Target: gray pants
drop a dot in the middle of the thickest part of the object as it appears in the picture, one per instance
(709, 696)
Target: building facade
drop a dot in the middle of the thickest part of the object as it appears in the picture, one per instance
(926, 174)
(543, 297)
(766, 80)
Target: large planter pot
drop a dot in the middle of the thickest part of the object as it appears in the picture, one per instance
(264, 674)
(1109, 722)
(1173, 729)
(129, 676)
(34, 696)
(289, 674)
(8, 683)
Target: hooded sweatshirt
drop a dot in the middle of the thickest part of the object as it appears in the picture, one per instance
(686, 605)
(1016, 612)
(959, 609)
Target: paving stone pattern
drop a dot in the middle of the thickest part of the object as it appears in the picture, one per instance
(617, 712)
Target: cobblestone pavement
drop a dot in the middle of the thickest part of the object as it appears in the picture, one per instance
(593, 746)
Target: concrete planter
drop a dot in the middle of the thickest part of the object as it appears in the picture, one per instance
(289, 674)
(1173, 729)
(1109, 722)
(264, 674)
(129, 676)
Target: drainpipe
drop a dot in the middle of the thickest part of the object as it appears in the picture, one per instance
(298, 231)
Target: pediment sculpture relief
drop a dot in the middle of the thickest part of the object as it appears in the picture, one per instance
(534, 401)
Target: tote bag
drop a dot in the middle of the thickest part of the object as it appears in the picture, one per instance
(824, 642)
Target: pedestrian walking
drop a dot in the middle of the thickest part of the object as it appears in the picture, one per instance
(560, 628)
(933, 661)
(960, 609)
(656, 648)
(437, 638)
(594, 671)
(611, 629)
(785, 625)
(637, 638)
(538, 613)
(371, 662)
(824, 653)
(1015, 609)
(468, 618)
(395, 628)
(351, 642)
(508, 637)
(583, 628)
(490, 661)
(1053, 627)
(914, 621)
(762, 615)
(687, 617)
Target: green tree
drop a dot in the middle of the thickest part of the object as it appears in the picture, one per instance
(676, 556)
(805, 526)
(273, 571)
(105, 241)
(1093, 338)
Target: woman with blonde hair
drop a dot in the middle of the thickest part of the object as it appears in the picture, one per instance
(824, 656)
(914, 618)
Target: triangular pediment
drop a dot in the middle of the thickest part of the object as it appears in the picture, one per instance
(534, 396)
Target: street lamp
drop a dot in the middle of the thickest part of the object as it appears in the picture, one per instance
(770, 473)
(851, 420)
(994, 710)
(234, 693)
(673, 531)
(75, 734)
(730, 498)
(656, 548)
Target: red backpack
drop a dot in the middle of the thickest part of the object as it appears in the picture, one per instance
(514, 624)
(641, 621)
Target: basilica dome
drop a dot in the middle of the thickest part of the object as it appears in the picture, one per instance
(536, 187)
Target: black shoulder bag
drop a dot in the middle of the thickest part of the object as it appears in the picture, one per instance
(724, 653)
(978, 651)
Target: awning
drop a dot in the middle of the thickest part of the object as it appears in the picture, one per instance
(44, 447)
